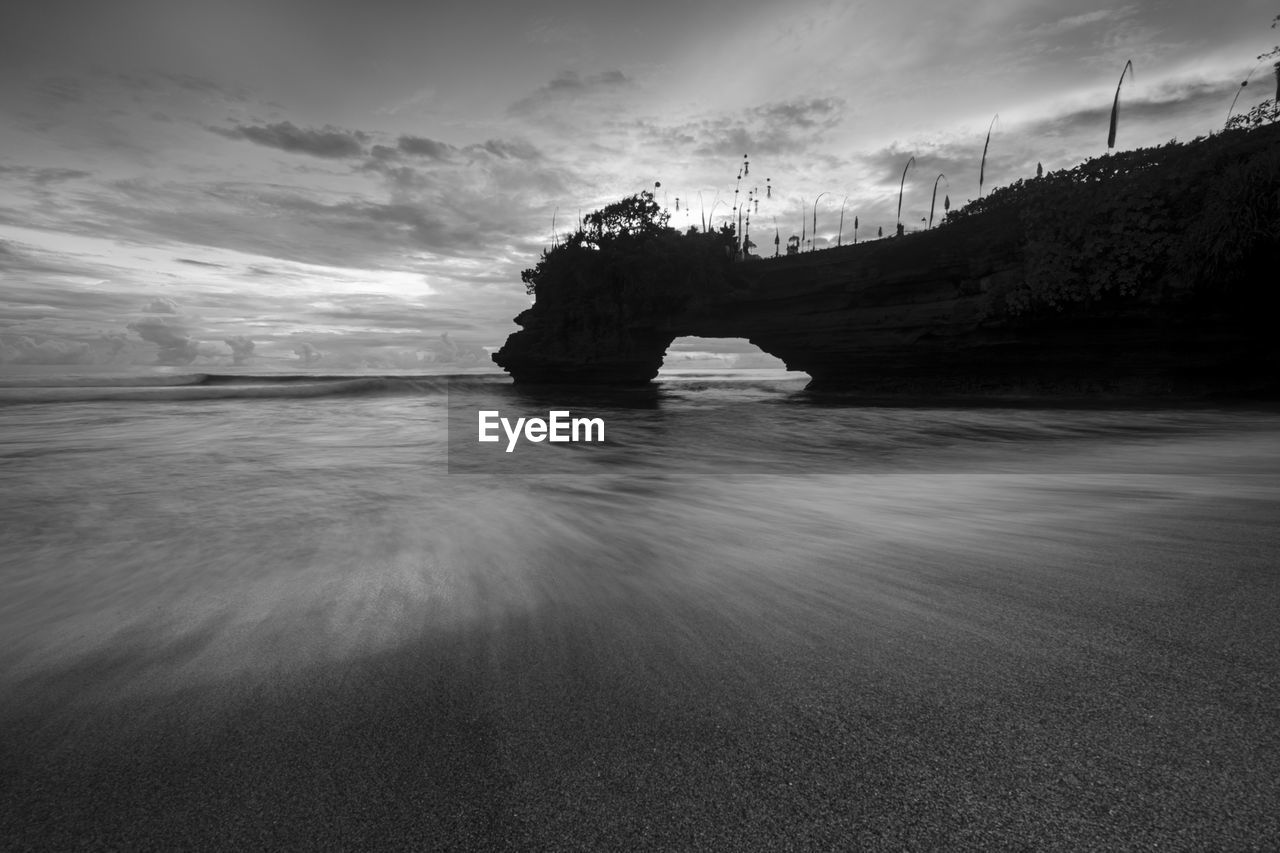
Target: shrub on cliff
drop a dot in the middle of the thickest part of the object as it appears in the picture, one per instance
(626, 254)
(1267, 112)
(1148, 225)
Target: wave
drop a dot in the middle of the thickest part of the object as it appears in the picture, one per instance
(103, 381)
(215, 386)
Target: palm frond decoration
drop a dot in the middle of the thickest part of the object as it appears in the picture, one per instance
(1115, 105)
(982, 168)
(902, 183)
(1245, 82)
(804, 235)
(934, 200)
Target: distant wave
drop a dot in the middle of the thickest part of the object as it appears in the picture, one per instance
(222, 386)
(103, 381)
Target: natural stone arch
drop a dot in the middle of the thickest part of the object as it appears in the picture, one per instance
(693, 352)
(1131, 273)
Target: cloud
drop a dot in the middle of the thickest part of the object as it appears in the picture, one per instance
(567, 87)
(1073, 22)
(107, 348)
(504, 149)
(241, 348)
(419, 146)
(175, 345)
(550, 32)
(161, 305)
(61, 90)
(810, 113)
(448, 351)
(27, 350)
(781, 127)
(205, 86)
(1168, 101)
(307, 354)
(328, 142)
(42, 177)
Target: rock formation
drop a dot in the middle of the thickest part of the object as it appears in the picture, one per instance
(1150, 271)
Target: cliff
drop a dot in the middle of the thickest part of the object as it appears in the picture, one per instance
(1150, 271)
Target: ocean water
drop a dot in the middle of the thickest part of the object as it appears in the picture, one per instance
(266, 609)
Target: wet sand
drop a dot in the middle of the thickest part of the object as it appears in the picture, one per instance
(1077, 689)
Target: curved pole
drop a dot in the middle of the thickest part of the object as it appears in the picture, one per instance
(1115, 105)
(803, 223)
(1232, 108)
(902, 184)
(712, 214)
(941, 177)
(815, 218)
(982, 169)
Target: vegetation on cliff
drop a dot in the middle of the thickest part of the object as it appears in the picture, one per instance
(626, 253)
(1150, 224)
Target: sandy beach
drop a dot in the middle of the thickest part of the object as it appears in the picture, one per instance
(1088, 685)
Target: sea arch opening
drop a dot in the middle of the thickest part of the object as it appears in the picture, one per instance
(691, 354)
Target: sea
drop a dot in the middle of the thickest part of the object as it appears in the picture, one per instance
(268, 610)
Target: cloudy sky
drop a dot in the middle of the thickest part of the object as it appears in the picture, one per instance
(348, 184)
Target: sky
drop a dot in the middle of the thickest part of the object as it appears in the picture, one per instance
(342, 185)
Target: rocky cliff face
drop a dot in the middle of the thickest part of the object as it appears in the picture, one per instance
(1147, 272)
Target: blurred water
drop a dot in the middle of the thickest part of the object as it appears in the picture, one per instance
(154, 539)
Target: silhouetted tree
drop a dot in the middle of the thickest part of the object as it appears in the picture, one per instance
(635, 215)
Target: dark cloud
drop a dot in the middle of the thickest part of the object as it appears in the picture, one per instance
(196, 263)
(815, 112)
(1167, 102)
(42, 177)
(517, 150)
(419, 146)
(328, 142)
